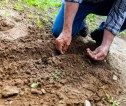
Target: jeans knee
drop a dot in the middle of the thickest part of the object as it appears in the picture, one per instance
(56, 31)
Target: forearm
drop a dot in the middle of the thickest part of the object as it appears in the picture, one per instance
(107, 38)
(69, 15)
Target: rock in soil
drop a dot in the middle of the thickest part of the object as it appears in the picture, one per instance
(9, 91)
(87, 103)
(115, 78)
(43, 91)
(35, 91)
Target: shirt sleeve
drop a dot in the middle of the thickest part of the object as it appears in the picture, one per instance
(77, 1)
(116, 17)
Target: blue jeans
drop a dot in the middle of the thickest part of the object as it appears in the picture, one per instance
(85, 8)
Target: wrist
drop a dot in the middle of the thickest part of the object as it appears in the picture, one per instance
(107, 38)
(67, 30)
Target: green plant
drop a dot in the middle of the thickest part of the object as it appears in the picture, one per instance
(123, 33)
(30, 16)
(43, 6)
(93, 21)
(111, 100)
(34, 85)
(38, 20)
(55, 75)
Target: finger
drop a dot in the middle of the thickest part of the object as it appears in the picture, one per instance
(59, 45)
(90, 53)
(99, 56)
(93, 54)
(65, 47)
(95, 51)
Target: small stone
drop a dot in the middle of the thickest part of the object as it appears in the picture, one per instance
(115, 78)
(87, 103)
(35, 91)
(105, 60)
(9, 91)
(43, 91)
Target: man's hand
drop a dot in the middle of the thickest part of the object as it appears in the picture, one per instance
(101, 52)
(63, 42)
(64, 39)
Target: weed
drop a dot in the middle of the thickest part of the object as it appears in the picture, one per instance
(39, 22)
(55, 75)
(111, 100)
(46, 7)
(34, 85)
(30, 16)
(93, 21)
(123, 33)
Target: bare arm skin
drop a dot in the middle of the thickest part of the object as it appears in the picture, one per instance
(64, 39)
(70, 12)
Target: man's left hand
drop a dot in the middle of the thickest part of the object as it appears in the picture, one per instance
(99, 53)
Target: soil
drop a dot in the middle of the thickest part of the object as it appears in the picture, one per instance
(28, 55)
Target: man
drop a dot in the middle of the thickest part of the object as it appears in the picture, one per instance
(69, 22)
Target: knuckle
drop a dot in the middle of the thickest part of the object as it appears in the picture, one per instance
(67, 44)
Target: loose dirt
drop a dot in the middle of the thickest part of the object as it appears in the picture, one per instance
(28, 55)
(11, 26)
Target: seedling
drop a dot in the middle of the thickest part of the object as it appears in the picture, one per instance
(111, 100)
(34, 85)
(30, 16)
(39, 22)
(55, 75)
(40, 5)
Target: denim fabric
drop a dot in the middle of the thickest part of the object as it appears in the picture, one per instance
(85, 8)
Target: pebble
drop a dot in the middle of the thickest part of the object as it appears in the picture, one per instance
(9, 91)
(87, 103)
(35, 91)
(115, 78)
(43, 91)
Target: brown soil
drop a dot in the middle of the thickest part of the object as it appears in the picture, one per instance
(68, 79)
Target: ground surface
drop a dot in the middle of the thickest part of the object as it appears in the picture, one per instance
(27, 55)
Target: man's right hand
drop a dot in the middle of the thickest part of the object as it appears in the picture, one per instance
(63, 41)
